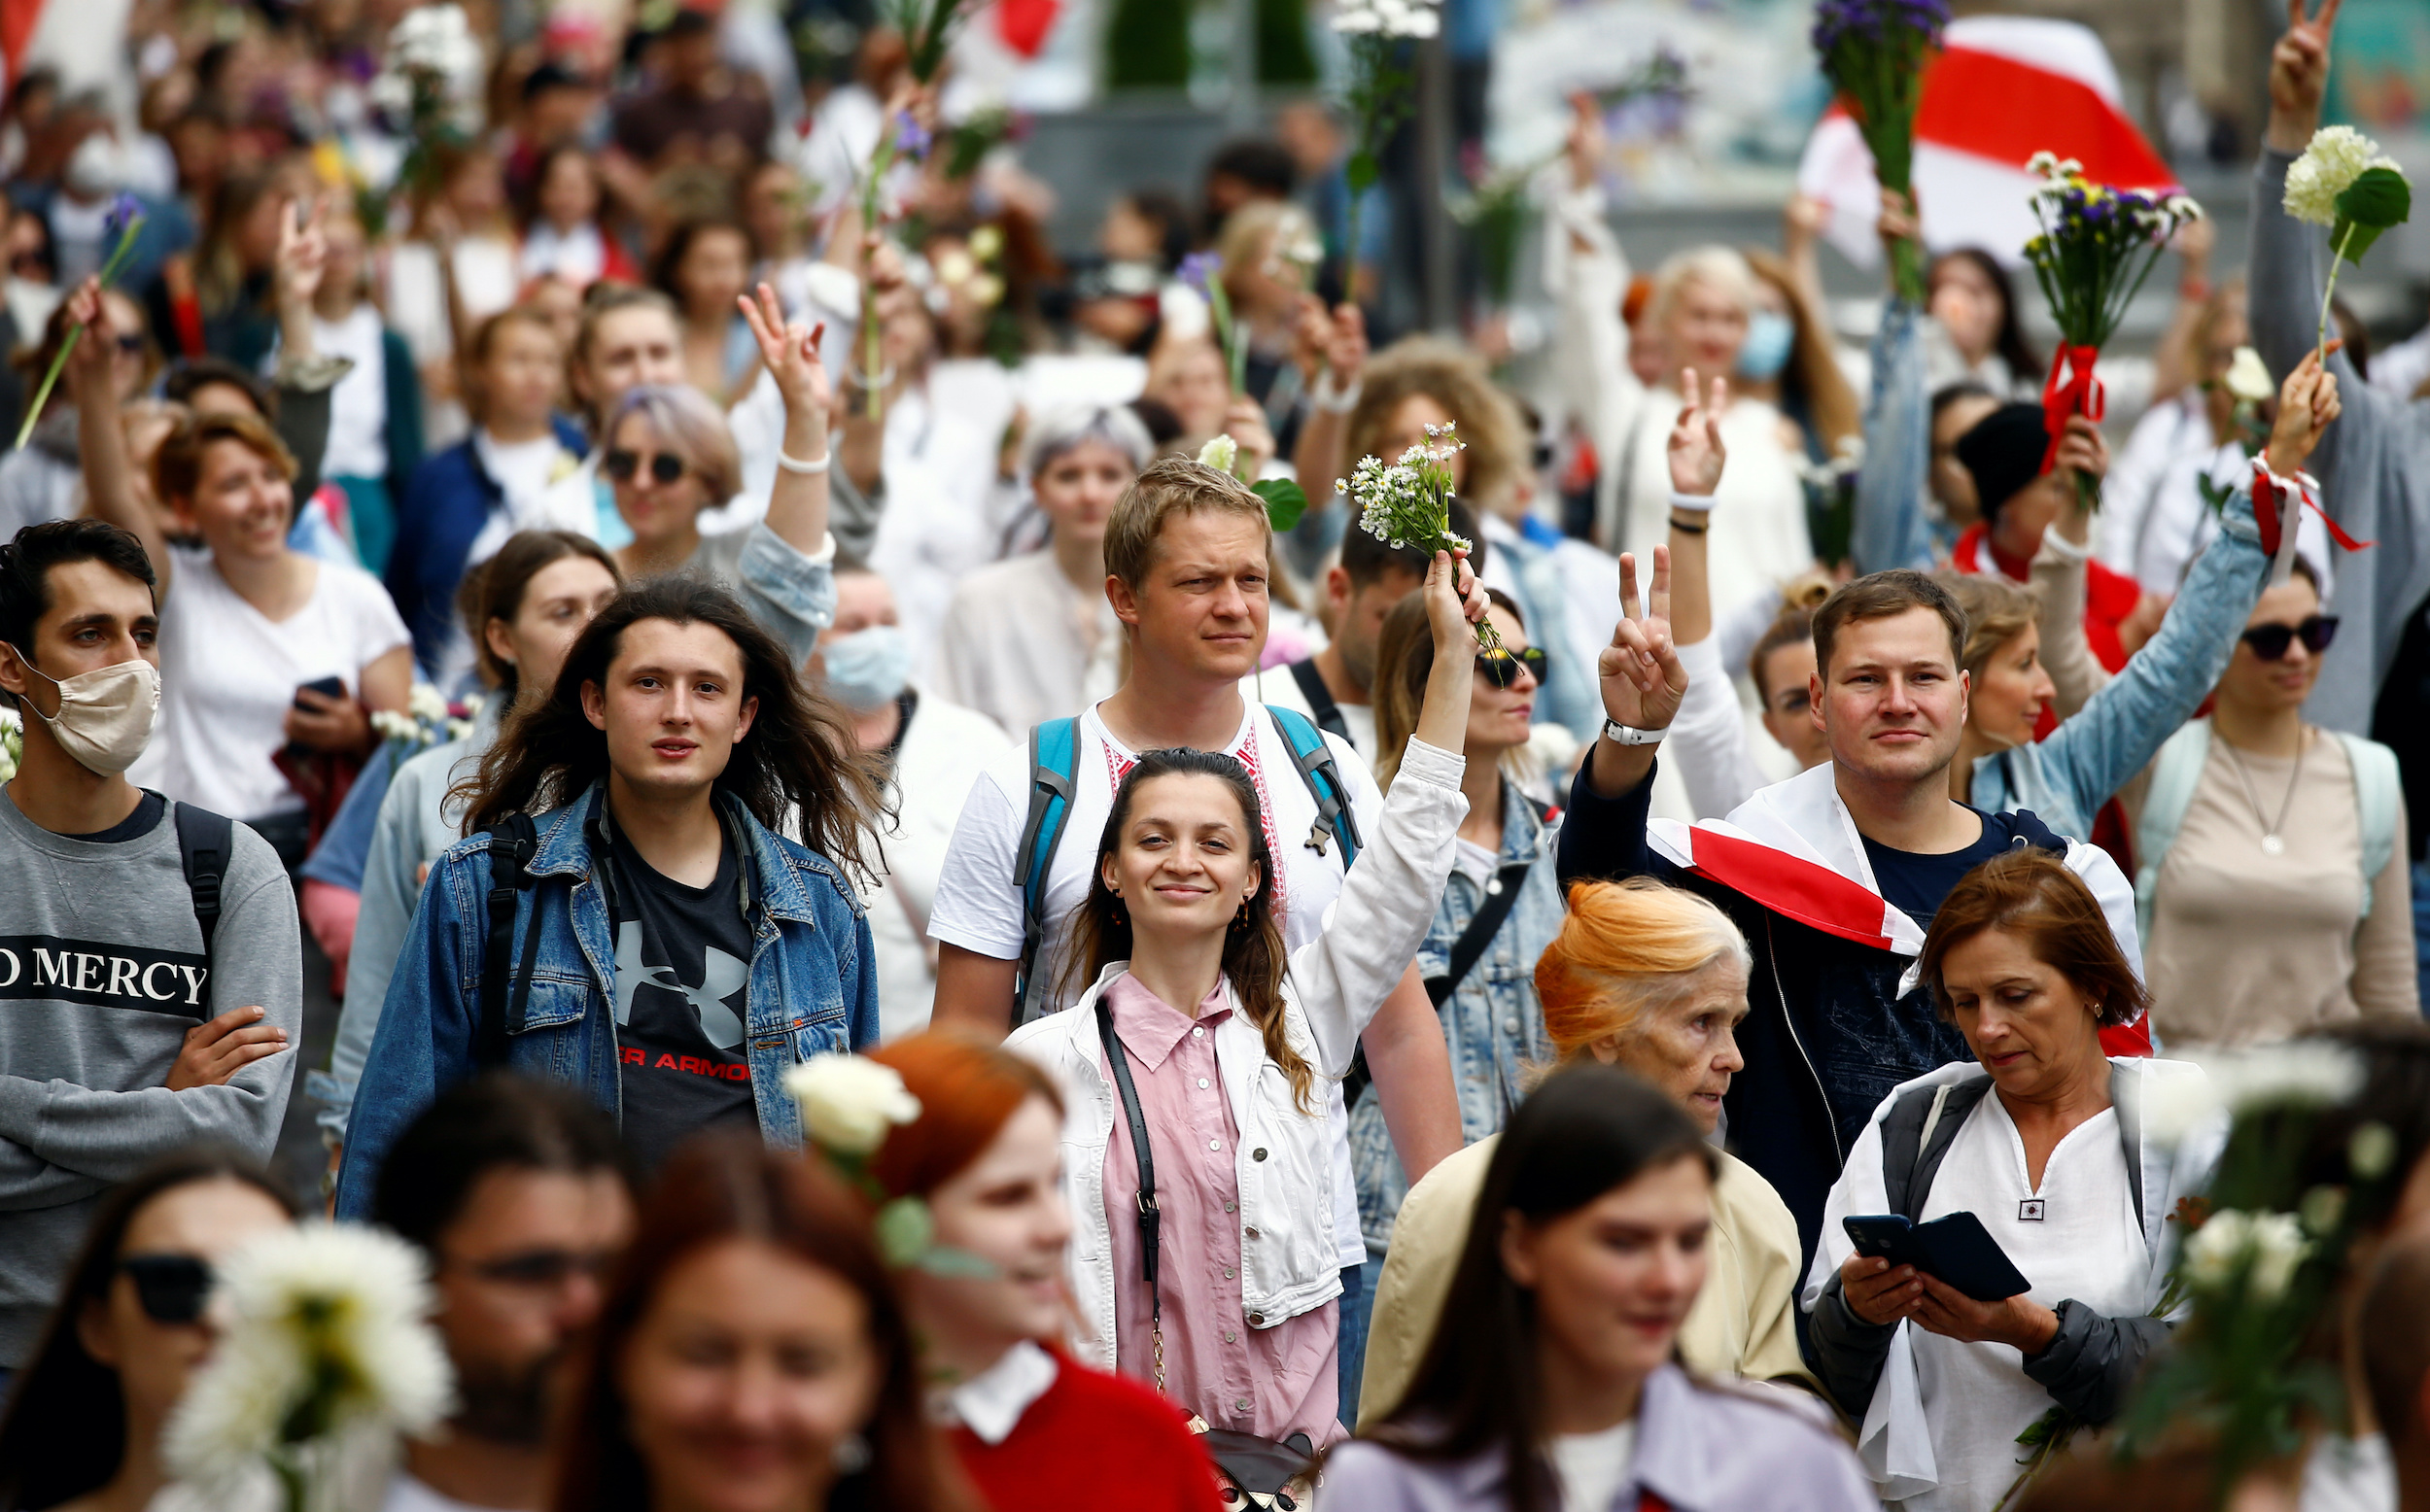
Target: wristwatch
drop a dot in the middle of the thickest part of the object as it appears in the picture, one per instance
(1629, 735)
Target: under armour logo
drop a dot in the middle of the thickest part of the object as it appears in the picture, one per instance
(722, 975)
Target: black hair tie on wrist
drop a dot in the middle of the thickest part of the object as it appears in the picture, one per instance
(1685, 529)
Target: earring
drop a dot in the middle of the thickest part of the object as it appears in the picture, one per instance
(852, 1454)
(1121, 914)
(1240, 921)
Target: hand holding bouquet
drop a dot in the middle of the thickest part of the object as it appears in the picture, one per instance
(1408, 504)
(1874, 52)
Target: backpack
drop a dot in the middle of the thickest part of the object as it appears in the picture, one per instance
(2178, 769)
(204, 842)
(512, 842)
(1053, 764)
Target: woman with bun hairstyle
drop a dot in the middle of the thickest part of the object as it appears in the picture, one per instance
(1652, 979)
(1036, 1430)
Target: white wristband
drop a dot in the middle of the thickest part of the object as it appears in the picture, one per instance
(1333, 400)
(807, 469)
(1692, 503)
(1629, 735)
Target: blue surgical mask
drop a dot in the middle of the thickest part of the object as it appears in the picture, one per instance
(868, 669)
(1769, 337)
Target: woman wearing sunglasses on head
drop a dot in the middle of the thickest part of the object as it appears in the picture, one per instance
(668, 454)
(84, 1425)
(2272, 885)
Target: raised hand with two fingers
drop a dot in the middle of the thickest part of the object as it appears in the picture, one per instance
(1696, 452)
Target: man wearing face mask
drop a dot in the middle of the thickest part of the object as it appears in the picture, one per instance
(130, 1029)
(933, 751)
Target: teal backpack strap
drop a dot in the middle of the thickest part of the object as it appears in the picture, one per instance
(1314, 760)
(1054, 760)
(2175, 773)
(2376, 785)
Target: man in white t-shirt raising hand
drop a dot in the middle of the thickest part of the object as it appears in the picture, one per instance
(1186, 563)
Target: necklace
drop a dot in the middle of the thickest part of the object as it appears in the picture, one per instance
(2271, 844)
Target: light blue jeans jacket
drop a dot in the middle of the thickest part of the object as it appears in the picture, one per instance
(1891, 528)
(1493, 1025)
(814, 986)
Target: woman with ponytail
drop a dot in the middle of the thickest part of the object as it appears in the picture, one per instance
(1210, 1266)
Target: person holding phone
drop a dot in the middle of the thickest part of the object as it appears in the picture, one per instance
(2044, 1141)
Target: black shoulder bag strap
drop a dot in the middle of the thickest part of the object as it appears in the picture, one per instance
(1320, 699)
(1151, 1221)
(204, 840)
(1916, 1136)
(511, 846)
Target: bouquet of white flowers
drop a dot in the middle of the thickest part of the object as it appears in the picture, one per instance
(2344, 182)
(1408, 504)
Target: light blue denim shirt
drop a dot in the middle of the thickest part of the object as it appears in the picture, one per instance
(1493, 1026)
(813, 985)
(1891, 528)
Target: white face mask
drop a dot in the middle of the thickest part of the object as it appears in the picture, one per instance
(105, 715)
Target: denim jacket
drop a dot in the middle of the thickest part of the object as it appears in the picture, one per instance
(813, 988)
(2065, 779)
(1493, 1026)
(1891, 528)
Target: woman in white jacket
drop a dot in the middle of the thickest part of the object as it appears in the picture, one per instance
(1210, 1269)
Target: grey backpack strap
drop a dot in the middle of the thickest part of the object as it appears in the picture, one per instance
(1916, 1136)
(204, 843)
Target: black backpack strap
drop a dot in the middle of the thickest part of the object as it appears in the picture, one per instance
(1916, 1136)
(1320, 699)
(204, 842)
(1501, 896)
(512, 843)
(1151, 1218)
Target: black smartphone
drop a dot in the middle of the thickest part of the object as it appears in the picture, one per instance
(1956, 1248)
(1880, 1236)
(326, 687)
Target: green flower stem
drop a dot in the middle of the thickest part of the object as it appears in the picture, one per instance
(58, 364)
(873, 331)
(2326, 294)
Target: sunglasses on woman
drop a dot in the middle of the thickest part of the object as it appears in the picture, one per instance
(171, 1288)
(2271, 642)
(1501, 668)
(624, 467)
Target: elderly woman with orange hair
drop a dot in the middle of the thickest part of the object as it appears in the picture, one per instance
(1652, 979)
(1034, 1428)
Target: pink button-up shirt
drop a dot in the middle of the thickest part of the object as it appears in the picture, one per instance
(1273, 1381)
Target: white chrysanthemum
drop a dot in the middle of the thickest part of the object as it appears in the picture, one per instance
(2043, 162)
(337, 1310)
(2278, 1247)
(1222, 453)
(848, 1102)
(2217, 1248)
(2248, 378)
(2335, 159)
(390, 725)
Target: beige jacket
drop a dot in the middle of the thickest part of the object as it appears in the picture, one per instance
(1743, 1322)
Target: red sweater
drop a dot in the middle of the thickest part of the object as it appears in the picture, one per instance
(1094, 1441)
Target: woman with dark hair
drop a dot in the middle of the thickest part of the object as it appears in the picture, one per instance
(1975, 306)
(85, 1418)
(2048, 1143)
(751, 1354)
(984, 1158)
(705, 267)
(523, 610)
(685, 817)
(1553, 1380)
(1189, 1065)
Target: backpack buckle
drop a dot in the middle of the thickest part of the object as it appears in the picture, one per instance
(1318, 835)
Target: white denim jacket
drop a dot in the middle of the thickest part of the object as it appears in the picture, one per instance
(1285, 1157)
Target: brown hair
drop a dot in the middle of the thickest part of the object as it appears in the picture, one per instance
(2396, 1340)
(1167, 487)
(1623, 949)
(1813, 373)
(719, 1188)
(601, 300)
(177, 466)
(1794, 623)
(484, 344)
(1255, 960)
(1882, 596)
(967, 1089)
(1404, 658)
(494, 589)
(1454, 378)
(2032, 894)
(1996, 612)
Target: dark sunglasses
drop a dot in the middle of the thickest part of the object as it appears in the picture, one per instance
(171, 1288)
(624, 467)
(1501, 668)
(2271, 642)
(543, 1267)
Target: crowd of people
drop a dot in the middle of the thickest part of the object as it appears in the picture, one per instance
(523, 679)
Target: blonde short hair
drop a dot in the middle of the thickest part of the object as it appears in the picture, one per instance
(1718, 269)
(1170, 486)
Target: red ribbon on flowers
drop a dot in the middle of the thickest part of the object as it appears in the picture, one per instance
(2070, 390)
(2306, 492)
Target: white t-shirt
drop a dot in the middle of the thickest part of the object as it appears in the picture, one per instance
(2087, 1245)
(978, 897)
(1590, 1466)
(358, 446)
(228, 675)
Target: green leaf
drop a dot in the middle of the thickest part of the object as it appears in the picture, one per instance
(904, 1231)
(1285, 501)
(1361, 172)
(2351, 239)
(2377, 200)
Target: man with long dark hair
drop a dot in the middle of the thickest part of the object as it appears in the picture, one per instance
(682, 927)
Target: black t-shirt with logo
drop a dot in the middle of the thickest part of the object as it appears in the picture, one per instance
(682, 987)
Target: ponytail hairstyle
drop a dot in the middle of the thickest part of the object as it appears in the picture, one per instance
(1254, 957)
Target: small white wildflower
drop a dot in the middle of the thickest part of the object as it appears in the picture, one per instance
(2321, 1208)
(425, 704)
(2248, 378)
(848, 1102)
(2044, 162)
(2371, 1151)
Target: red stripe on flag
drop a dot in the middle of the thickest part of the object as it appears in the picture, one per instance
(16, 29)
(1813, 895)
(1991, 106)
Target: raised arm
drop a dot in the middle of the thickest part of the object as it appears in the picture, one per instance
(2284, 297)
(1334, 349)
(1890, 527)
(2058, 576)
(797, 505)
(101, 431)
(1709, 737)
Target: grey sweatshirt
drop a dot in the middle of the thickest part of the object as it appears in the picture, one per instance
(101, 975)
(2373, 464)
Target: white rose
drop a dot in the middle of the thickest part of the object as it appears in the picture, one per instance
(848, 1102)
(2278, 1247)
(2248, 377)
(2213, 1254)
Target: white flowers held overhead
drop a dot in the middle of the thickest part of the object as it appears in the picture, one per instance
(848, 1102)
(2344, 183)
(1416, 19)
(1221, 453)
(2248, 378)
(326, 1336)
